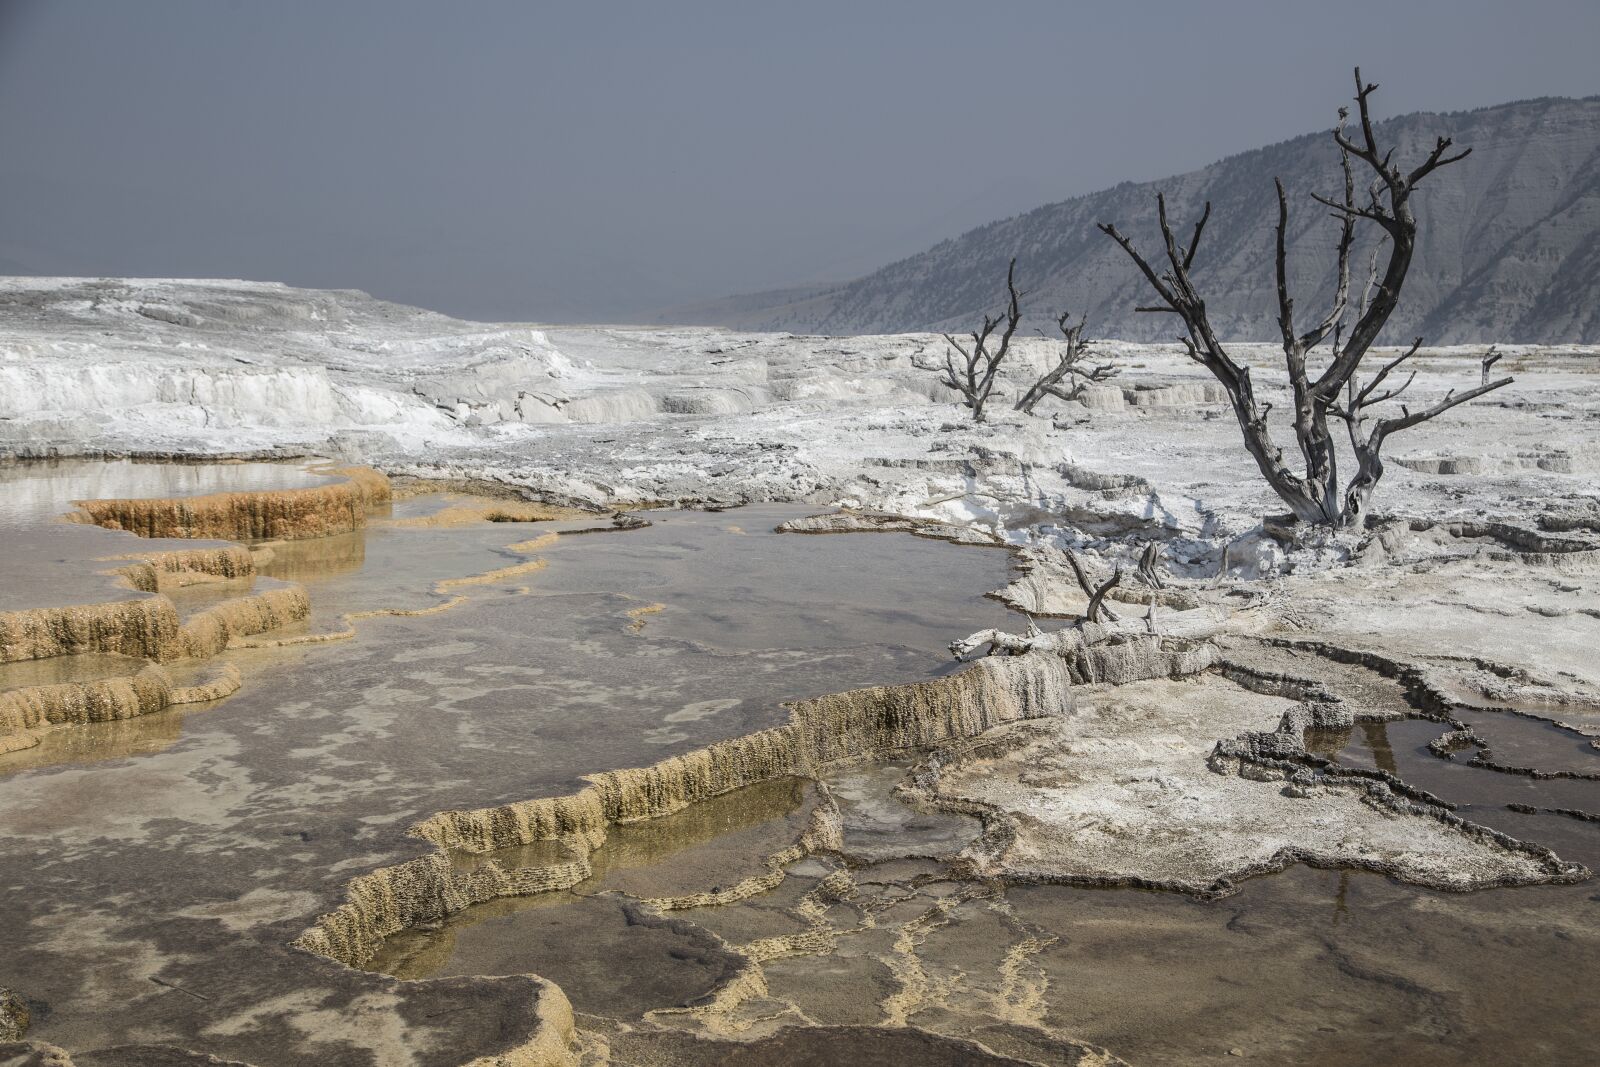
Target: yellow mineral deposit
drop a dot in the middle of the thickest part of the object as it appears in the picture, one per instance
(350, 618)
(209, 632)
(869, 722)
(149, 628)
(637, 616)
(473, 510)
(818, 936)
(494, 577)
(139, 628)
(154, 571)
(824, 831)
(534, 544)
(551, 1033)
(863, 724)
(23, 712)
(285, 514)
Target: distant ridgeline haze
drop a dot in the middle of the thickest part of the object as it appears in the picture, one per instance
(1509, 247)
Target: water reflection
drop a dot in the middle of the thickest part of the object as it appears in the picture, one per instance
(1481, 794)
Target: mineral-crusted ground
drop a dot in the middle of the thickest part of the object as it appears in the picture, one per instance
(588, 734)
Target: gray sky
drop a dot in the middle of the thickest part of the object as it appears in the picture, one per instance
(603, 160)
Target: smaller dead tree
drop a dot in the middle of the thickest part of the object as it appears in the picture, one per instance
(982, 355)
(1150, 566)
(1098, 610)
(1149, 572)
(1490, 358)
(1069, 368)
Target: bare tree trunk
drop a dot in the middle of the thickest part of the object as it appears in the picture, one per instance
(1312, 489)
(1093, 612)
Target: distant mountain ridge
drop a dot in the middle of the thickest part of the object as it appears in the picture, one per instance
(1509, 248)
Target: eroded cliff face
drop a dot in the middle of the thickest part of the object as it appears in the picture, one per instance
(209, 632)
(152, 572)
(147, 629)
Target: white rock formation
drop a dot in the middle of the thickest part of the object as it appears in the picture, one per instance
(601, 415)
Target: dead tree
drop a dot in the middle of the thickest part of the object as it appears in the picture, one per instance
(1097, 611)
(1490, 358)
(974, 379)
(1149, 572)
(1069, 367)
(1150, 566)
(1313, 492)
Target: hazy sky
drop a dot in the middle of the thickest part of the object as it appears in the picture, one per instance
(594, 160)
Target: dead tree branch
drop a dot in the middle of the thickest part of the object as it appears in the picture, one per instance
(1087, 586)
(1149, 566)
(1069, 367)
(974, 378)
(1149, 571)
(1312, 487)
(1490, 358)
(1097, 601)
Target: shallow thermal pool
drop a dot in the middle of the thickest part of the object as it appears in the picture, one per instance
(122, 842)
(156, 869)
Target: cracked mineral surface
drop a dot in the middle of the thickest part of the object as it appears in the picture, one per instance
(468, 766)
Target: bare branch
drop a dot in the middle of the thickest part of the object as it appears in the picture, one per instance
(1367, 152)
(1178, 269)
(1069, 366)
(1194, 242)
(1436, 159)
(1127, 246)
(1412, 418)
(1347, 233)
(1372, 277)
(1097, 600)
(1285, 301)
(1350, 211)
(1377, 380)
(1490, 358)
(1390, 394)
(1089, 590)
(1149, 562)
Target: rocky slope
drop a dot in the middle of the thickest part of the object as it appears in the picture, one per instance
(1508, 249)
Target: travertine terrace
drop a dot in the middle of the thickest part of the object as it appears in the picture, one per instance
(498, 722)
